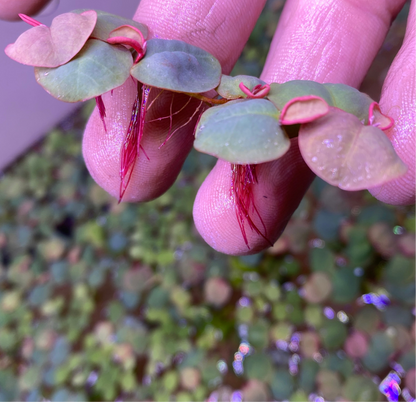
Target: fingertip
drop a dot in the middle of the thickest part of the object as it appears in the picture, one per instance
(280, 188)
(155, 168)
(215, 215)
(101, 148)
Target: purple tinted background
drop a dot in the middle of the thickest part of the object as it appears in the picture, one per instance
(27, 112)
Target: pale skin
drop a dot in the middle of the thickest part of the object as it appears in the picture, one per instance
(326, 41)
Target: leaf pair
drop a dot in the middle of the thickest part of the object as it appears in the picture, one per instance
(81, 56)
(340, 96)
(334, 143)
(73, 62)
(97, 69)
(249, 131)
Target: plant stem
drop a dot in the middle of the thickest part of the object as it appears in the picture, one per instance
(207, 100)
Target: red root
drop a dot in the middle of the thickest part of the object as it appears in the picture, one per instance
(242, 181)
(170, 134)
(101, 109)
(131, 145)
(30, 20)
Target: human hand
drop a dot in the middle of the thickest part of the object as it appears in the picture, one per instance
(323, 41)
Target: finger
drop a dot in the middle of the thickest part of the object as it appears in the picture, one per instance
(326, 41)
(398, 101)
(221, 27)
(10, 10)
(329, 41)
(215, 211)
(157, 165)
(217, 26)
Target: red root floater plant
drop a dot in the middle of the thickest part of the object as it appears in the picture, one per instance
(339, 129)
(243, 178)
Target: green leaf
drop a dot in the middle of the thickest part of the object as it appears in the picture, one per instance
(39, 294)
(97, 68)
(377, 357)
(350, 100)
(407, 360)
(397, 315)
(367, 319)
(7, 339)
(60, 352)
(158, 297)
(359, 250)
(299, 396)
(177, 66)
(257, 366)
(333, 334)
(359, 388)
(400, 271)
(282, 384)
(281, 94)
(128, 382)
(106, 22)
(346, 285)
(341, 364)
(61, 395)
(229, 86)
(242, 132)
(170, 381)
(322, 259)
(405, 294)
(345, 153)
(375, 213)
(308, 370)
(328, 384)
(313, 315)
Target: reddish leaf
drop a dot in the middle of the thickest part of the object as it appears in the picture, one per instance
(345, 153)
(303, 109)
(41, 46)
(356, 344)
(130, 36)
(377, 118)
(128, 31)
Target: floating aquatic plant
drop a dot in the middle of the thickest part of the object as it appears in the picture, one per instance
(87, 53)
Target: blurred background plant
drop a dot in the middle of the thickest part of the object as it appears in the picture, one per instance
(107, 301)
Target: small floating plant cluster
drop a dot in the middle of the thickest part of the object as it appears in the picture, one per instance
(86, 53)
